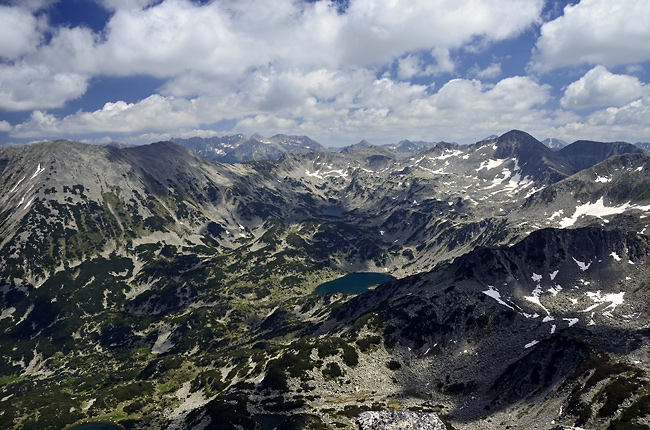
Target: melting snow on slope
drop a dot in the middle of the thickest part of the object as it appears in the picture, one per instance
(492, 292)
(7, 313)
(163, 343)
(491, 164)
(598, 210)
(583, 266)
(535, 299)
(571, 321)
(16, 186)
(447, 154)
(615, 256)
(38, 171)
(614, 300)
(322, 175)
(531, 344)
(603, 180)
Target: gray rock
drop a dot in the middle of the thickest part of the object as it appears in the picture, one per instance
(403, 420)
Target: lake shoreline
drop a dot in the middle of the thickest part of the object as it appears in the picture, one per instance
(354, 283)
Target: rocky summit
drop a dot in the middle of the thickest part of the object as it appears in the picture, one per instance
(157, 288)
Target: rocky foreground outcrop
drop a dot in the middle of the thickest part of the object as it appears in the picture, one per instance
(402, 420)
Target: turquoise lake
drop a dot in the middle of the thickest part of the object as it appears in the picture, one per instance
(353, 283)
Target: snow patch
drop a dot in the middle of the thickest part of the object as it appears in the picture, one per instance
(492, 292)
(598, 298)
(7, 313)
(583, 266)
(535, 299)
(16, 186)
(38, 171)
(571, 321)
(598, 209)
(531, 344)
(163, 343)
(491, 164)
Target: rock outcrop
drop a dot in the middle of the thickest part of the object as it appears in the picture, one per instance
(403, 420)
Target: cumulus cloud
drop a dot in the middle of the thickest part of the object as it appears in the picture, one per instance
(332, 105)
(19, 32)
(5, 126)
(630, 120)
(153, 113)
(231, 36)
(281, 65)
(599, 87)
(595, 32)
(24, 86)
(490, 72)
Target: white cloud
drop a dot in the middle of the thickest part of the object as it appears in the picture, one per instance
(599, 87)
(282, 66)
(229, 37)
(595, 32)
(125, 4)
(23, 87)
(331, 105)
(490, 72)
(634, 114)
(32, 5)
(628, 122)
(5, 126)
(409, 67)
(71, 50)
(153, 113)
(19, 32)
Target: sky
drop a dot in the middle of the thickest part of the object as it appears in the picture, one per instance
(140, 71)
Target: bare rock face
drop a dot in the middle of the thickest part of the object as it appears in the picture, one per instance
(403, 420)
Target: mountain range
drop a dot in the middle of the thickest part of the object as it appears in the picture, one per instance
(239, 148)
(160, 288)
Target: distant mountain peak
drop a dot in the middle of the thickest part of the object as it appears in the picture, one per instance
(239, 148)
(554, 144)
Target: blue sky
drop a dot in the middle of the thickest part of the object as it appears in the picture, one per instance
(139, 71)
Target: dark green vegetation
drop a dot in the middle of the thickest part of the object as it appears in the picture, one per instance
(157, 289)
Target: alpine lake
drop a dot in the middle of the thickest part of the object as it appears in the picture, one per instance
(353, 283)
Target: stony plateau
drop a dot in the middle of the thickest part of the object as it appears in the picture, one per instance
(161, 289)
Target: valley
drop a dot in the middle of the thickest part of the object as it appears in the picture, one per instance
(160, 289)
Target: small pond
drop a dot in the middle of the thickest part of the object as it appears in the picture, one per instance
(353, 283)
